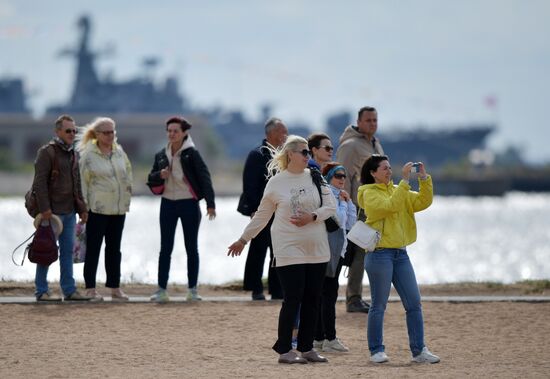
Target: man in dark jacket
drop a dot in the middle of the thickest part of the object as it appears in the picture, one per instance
(58, 192)
(254, 182)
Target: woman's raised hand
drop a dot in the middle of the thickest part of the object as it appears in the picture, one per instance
(406, 171)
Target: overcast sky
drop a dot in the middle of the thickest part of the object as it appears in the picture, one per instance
(430, 62)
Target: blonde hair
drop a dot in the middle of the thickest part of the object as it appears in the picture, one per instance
(279, 160)
(88, 133)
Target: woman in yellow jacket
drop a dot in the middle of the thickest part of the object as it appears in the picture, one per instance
(106, 177)
(390, 209)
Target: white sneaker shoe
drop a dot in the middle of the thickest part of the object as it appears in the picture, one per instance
(334, 346)
(161, 296)
(193, 294)
(426, 356)
(379, 357)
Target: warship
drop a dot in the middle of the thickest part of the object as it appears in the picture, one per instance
(139, 105)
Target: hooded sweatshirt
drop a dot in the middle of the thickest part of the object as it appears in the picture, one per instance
(390, 210)
(177, 186)
(353, 151)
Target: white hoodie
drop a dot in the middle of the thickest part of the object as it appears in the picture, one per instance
(176, 187)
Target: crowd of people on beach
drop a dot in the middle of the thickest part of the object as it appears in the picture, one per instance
(301, 199)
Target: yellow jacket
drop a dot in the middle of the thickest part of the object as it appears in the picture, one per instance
(106, 181)
(390, 209)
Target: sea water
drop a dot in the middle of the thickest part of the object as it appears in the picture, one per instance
(502, 239)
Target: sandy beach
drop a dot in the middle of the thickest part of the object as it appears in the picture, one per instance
(233, 339)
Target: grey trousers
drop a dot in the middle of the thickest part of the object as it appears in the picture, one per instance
(354, 290)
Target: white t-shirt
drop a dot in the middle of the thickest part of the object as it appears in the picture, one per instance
(286, 194)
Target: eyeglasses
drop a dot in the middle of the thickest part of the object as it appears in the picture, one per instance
(106, 132)
(70, 131)
(304, 152)
(327, 148)
(339, 176)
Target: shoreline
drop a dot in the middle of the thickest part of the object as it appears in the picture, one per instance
(10, 288)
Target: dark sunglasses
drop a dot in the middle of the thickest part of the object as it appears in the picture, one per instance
(340, 176)
(327, 148)
(106, 132)
(70, 131)
(304, 152)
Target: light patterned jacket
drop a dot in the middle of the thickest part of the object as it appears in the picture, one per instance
(106, 180)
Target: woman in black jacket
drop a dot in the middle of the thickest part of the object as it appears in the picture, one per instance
(181, 176)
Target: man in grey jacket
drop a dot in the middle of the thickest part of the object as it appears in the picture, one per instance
(58, 192)
(357, 143)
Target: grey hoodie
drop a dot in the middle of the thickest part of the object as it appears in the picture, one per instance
(353, 151)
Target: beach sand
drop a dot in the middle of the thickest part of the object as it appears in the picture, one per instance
(233, 339)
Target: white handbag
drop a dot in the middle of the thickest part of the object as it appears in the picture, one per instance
(364, 236)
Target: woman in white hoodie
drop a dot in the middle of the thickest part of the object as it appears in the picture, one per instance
(106, 176)
(180, 175)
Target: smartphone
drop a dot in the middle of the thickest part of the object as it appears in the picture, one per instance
(415, 167)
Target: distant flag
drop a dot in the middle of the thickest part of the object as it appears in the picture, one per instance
(490, 101)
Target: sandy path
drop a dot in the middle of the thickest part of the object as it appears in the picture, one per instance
(220, 340)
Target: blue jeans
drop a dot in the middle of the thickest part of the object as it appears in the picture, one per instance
(188, 211)
(66, 243)
(384, 267)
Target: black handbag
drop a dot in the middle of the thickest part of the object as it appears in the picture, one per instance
(330, 223)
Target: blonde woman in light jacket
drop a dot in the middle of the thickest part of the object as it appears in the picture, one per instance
(106, 175)
(390, 209)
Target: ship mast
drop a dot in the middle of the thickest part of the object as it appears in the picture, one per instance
(86, 85)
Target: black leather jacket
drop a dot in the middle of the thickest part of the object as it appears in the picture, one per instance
(194, 169)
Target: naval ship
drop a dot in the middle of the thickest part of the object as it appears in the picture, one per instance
(139, 106)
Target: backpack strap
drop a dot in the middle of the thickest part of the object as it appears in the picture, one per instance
(24, 253)
(318, 180)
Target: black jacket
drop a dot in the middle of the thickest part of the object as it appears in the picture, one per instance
(254, 179)
(195, 172)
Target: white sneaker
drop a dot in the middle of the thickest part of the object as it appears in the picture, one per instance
(379, 357)
(193, 294)
(94, 295)
(161, 296)
(334, 346)
(426, 356)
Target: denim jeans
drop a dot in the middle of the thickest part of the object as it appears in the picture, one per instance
(188, 211)
(354, 290)
(384, 267)
(66, 243)
(326, 316)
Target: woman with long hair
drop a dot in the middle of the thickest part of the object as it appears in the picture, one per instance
(300, 244)
(106, 176)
